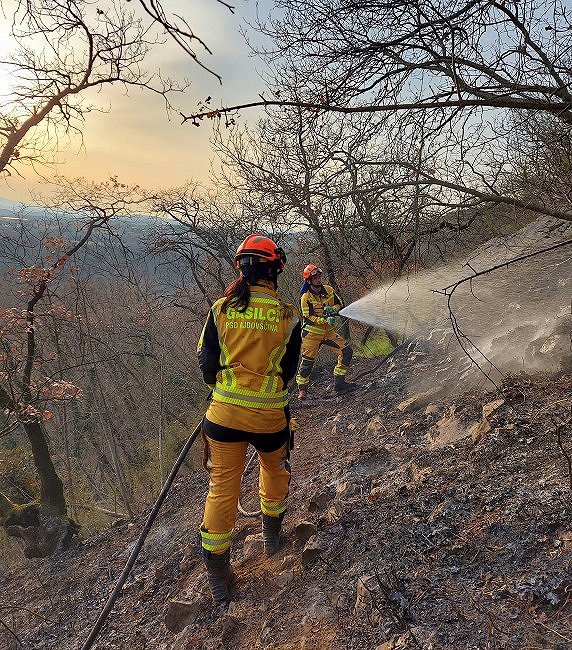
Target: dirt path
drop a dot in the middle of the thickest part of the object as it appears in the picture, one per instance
(431, 532)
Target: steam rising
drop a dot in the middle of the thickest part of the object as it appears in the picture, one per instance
(515, 318)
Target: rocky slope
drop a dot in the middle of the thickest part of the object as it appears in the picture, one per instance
(415, 521)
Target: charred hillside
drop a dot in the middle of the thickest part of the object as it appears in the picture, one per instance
(415, 521)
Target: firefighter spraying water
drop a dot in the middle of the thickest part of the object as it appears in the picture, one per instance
(320, 306)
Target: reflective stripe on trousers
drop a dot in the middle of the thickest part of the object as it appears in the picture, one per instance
(311, 343)
(225, 462)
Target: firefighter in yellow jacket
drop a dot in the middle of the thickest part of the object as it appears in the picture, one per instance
(248, 352)
(320, 305)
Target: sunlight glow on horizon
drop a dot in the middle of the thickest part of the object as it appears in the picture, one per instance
(130, 135)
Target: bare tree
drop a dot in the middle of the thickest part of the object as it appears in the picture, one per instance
(540, 156)
(105, 325)
(340, 193)
(199, 240)
(446, 76)
(64, 49)
(26, 387)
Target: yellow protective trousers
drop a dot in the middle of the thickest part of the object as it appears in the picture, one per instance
(312, 342)
(225, 464)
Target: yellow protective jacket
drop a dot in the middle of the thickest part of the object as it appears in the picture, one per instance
(312, 305)
(248, 357)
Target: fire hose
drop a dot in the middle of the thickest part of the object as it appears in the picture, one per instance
(142, 537)
(141, 540)
(242, 511)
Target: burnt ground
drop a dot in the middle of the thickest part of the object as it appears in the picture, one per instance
(434, 528)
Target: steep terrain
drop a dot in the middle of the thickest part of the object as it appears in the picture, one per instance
(415, 521)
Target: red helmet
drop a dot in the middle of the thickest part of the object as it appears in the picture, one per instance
(311, 269)
(262, 248)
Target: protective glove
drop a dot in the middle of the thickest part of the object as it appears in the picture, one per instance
(330, 314)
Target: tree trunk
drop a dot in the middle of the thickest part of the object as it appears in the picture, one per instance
(5, 399)
(51, 486)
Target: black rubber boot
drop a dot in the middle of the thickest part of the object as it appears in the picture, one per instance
(271, 533)
(220, 575)
(342, 386)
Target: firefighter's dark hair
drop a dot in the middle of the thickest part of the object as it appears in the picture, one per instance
(237, 293)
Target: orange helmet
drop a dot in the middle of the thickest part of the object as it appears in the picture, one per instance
(310, 270)
(262, 248)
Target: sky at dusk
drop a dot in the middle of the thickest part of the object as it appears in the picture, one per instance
(133, 138)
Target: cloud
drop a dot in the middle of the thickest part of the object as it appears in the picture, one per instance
(136, 140)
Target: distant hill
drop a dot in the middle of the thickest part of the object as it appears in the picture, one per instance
(9, 207)
(24, 228)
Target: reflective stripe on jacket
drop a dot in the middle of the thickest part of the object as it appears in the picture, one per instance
(250, 355)
(312, 305)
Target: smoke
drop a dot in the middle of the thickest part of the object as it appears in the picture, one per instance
(515, 318)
